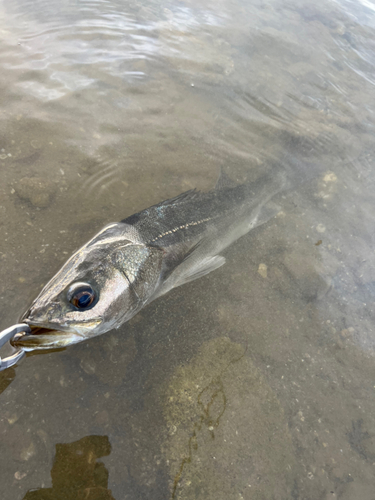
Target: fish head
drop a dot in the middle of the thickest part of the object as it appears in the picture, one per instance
(100, 287)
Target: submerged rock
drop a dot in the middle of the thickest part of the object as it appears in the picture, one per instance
(37, 190)
(226, 429)
(308, 274)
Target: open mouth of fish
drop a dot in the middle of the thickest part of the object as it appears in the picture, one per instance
(43, 338)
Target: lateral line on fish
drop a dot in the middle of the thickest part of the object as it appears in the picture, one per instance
(185, 226)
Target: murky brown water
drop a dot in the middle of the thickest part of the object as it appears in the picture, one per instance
(257, 381)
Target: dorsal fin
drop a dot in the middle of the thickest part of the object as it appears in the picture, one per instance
(187, 195)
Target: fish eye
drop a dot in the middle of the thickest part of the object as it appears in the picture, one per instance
(81, 295)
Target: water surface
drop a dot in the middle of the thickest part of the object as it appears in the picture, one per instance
(256, 381)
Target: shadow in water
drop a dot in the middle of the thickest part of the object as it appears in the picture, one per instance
(76, 474)
(6, 378)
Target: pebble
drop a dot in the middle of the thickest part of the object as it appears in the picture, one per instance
(27, 453)
(262, 270)
(20, 475)
(12, 419)
(330, 177)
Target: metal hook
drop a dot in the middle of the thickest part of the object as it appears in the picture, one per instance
(8, 334)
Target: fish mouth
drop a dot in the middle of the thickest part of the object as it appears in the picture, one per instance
(41, 330)
(44, 338)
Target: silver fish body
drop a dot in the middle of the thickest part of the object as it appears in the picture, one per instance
(130, 263)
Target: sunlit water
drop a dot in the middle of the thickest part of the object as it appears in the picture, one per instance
(257, 381)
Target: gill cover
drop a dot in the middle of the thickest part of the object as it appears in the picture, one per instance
(141, 266)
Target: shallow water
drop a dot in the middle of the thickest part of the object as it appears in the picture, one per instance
(256, 381)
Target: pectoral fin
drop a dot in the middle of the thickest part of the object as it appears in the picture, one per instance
(199, 269)
(191, 269)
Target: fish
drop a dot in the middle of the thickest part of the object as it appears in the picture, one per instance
(129, 264)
